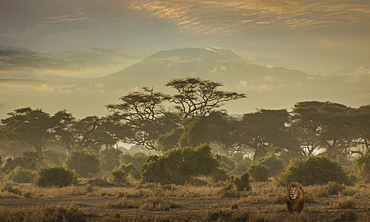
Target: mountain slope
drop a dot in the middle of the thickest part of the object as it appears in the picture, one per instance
(215, 64)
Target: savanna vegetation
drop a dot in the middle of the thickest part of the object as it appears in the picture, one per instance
(208, 165)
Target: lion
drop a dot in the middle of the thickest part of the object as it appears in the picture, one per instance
(295, 197)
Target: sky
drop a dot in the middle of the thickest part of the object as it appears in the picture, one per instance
(50, 39)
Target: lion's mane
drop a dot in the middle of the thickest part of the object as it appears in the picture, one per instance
(295, 205)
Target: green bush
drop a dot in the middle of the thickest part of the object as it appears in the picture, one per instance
(237, 185)
(178, 166)
(29, 160)
(259, 172)
(314, 170)
(55, 177)
(273, 163)
(131, 170)
(21, 175)
(335, 188)
(363, 163)
(83, 163)
(227, 163)
(119, 176)
(219, 175)
(138, 159)
(242, 183)
(109, 159)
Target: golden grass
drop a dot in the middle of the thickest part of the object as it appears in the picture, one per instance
(43, 214)
(344, 203)
(269, 198)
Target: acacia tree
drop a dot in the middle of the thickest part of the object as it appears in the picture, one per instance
(143, 115)
(264, 131)
(360, 120)
(90, 132)
(30, 126)
(322, 125)
(217, 128)
(197, 97)
(63, 132)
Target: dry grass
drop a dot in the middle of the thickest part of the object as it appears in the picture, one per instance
(266, 202)
(44, 214)
(344, 203)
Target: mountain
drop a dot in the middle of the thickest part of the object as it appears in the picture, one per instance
(265, 87)
(216, 64)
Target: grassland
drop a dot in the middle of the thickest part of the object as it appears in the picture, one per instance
(150, 202)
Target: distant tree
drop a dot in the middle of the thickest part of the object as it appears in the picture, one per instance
(54, 157)
(196, 132)
(110, 159)
(197, 97)
(64, 129)
(169, 140)
(322, 125)
(144, 115)
(29, 126)
(360, 127)
(90, 132)
(217, 128)
(265, 130)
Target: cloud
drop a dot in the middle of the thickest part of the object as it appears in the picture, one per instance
(26, 63)
(229, 16)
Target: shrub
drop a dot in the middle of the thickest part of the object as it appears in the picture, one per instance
(109, 159)
(29, 160)
(335, 188)
(314, 170)
(236, 185)
(273, 163)
(259, 172)
(363, 163)
(219, 175)
(83, 163)
(21, 175)
(133, 163)
(8, 188)
(130, 169)
(227, 163)
(178, 166)
(242, 183)
(119, 176)
(55, 177)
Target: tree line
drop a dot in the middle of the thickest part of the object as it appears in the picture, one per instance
(191, 117)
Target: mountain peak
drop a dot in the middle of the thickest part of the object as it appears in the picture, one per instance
(186, 53)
